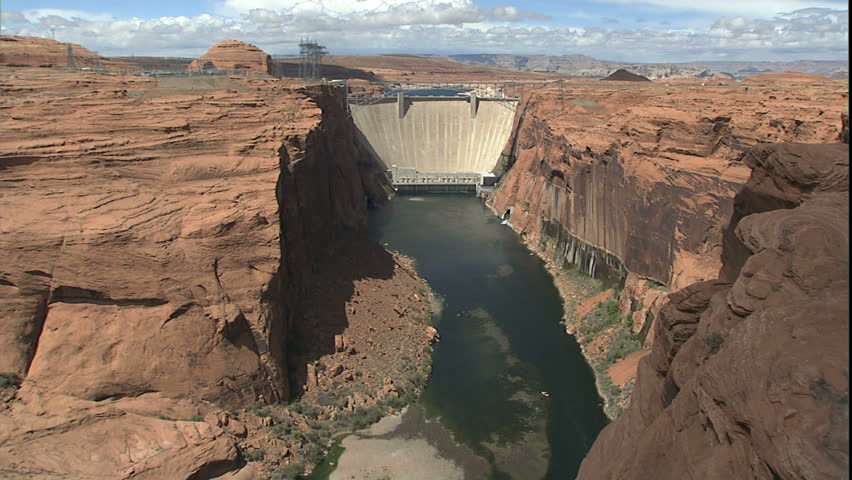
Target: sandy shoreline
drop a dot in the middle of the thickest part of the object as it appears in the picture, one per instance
(407, 445)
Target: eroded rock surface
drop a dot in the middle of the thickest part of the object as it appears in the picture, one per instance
(157, 238)
(17, 51)
(647, 172)
(749, 378)
(635, 183)
(233, 56)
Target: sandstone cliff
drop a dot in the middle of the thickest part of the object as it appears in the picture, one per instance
(156, 239)
(748, 378)
(645, 174)
(635, 185)
(233, 56)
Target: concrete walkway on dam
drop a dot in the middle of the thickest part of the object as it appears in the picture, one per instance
(437, 134)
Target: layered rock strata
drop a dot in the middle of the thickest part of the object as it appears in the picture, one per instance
(644, 175)
(747, 377)
(233, 56)
(157, 238)
(635, 185)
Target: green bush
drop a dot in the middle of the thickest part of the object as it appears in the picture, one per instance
(714, 341)
(10, 380)
(610, 307)
(288, 472)
(363, 417)
(605, 316)
(283, 428)
(255, 454)
(581, 279)
(260, 409)
(316, 454)
(623, 344)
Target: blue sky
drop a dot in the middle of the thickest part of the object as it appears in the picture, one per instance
(623, 30)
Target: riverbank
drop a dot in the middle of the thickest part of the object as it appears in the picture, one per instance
(359, 351)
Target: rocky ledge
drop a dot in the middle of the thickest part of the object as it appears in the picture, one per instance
(234, 56)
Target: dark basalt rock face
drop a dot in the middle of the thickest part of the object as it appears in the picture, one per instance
(622, 75)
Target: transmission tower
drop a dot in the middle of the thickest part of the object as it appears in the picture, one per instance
(310, 55)
(70, 61)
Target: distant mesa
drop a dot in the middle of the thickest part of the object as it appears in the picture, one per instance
(622, 75)
(788, 77)
(233, 56)
(18, 51)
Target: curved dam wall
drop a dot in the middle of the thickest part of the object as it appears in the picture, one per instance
(439, 135)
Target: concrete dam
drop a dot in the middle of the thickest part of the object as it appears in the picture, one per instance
(424, 142)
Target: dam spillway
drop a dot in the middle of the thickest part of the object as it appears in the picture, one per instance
(435, 140)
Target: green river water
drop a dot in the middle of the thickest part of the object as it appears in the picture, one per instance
(507, 381)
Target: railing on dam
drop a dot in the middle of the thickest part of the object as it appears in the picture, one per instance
(411, 176)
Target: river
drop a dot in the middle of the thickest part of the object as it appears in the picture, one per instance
(508, 384)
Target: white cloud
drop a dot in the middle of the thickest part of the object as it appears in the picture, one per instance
(430, 26)
(746, 8)
(37, 14)
(13, 17)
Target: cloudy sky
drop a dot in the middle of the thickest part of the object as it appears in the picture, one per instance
(616, 30)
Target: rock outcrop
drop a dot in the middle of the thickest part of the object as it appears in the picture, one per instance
(622, 75)
(156, 241)
(748, 378)
(18, 51)
(234, 56)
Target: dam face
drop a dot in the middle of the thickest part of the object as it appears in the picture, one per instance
(432, 141)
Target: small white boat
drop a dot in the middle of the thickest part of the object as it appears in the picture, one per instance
(545, 394)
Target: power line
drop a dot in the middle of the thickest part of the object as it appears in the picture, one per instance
(310, 55)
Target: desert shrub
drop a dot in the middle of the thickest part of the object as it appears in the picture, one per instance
(623, 344)
(304, 409)
(288, 472)
(255, 454)
(260, 409)
(714, 341)
(283, 428)
(363, 417)
(316, 454)
(10, 380)
(418, 379)
(581, 279)
(605, 316)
